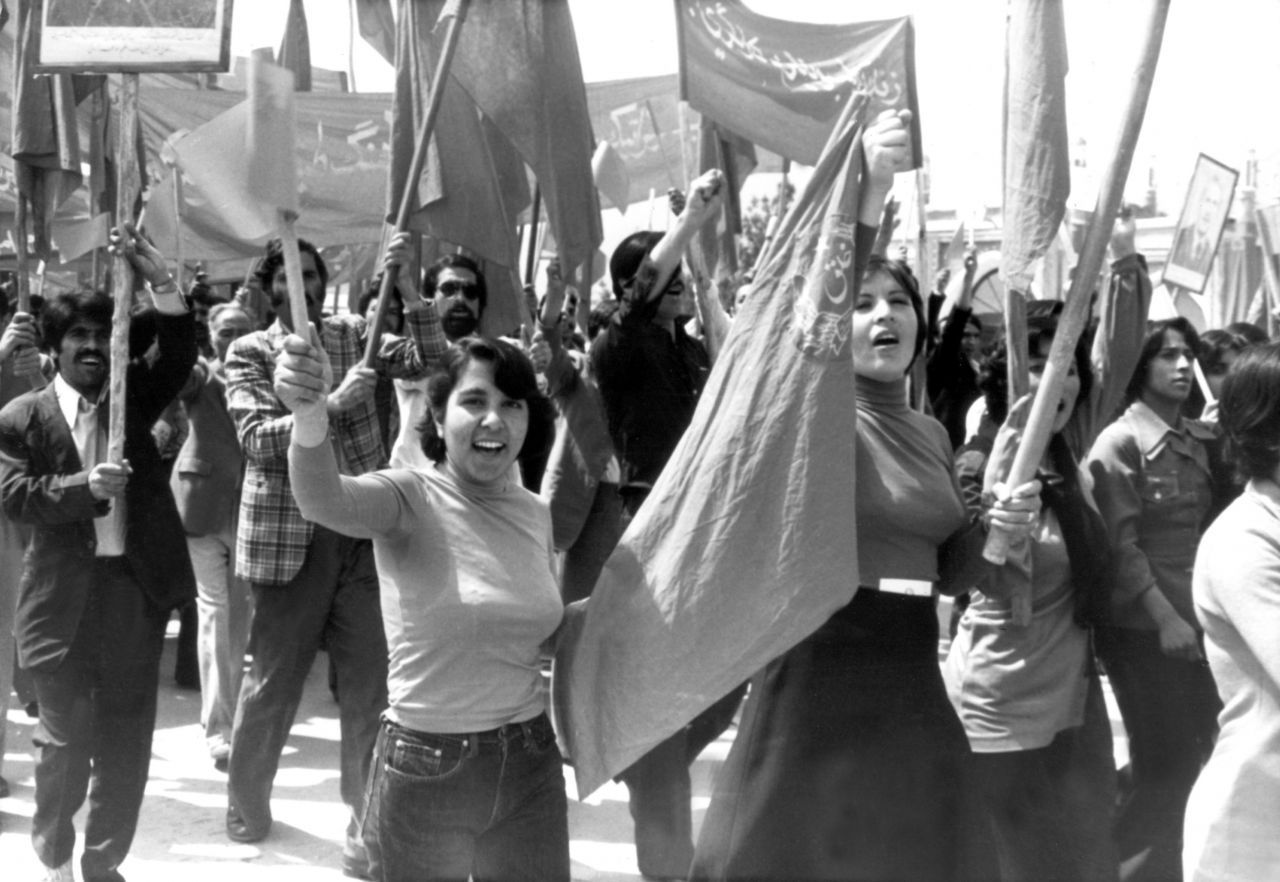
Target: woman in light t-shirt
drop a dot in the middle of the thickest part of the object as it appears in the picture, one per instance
(467, 777)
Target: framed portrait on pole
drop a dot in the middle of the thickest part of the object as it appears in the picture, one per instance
(107, 36)
(1204, 214)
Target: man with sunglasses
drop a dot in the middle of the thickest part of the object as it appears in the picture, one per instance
(458, 289)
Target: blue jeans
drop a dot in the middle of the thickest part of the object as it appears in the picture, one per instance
(489, 806)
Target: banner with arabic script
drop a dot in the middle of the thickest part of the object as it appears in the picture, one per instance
(783, 84)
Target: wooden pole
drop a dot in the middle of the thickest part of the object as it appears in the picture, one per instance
(299, 318)
(1075, 313)
(22, 257)
(122, 272)
(455, 11)
(531, 255)
(177, 222)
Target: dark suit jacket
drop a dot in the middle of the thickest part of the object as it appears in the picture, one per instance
(44, 484)
(207, 475)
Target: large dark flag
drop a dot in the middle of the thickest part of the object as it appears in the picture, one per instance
(784, 84)
(518, 61)
(747, 542)
(473, 184)
(1037, 170)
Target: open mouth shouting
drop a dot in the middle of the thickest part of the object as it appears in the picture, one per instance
(884, 339)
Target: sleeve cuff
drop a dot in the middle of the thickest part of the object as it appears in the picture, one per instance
(311, 429)
(169, 302)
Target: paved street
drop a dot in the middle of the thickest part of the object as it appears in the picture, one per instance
(181, 833)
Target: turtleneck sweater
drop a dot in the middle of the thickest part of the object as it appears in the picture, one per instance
(907, 498)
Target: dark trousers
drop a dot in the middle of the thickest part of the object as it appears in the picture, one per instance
(1051, 808)
(334, 599)
(97, 716)
(1170, 709)
(661, 791)
(487, 806)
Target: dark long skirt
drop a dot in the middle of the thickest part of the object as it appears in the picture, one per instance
(850, 763)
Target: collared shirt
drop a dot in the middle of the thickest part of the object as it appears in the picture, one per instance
(1153, 487)
(90, 437)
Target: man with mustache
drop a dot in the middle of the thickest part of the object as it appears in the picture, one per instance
(309, 585)
(106, 565)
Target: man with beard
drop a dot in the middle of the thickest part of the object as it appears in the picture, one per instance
(106, 564)
(310, 585)
(458, 289)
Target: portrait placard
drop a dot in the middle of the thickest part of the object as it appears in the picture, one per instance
(103, 36)
(1204, 214)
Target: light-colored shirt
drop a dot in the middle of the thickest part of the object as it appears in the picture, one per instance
(469, 595)
(90, 437)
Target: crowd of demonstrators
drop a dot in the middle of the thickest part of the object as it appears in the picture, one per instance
(105, 565)
(399, 517)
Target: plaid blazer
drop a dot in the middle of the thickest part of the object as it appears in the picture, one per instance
(272, 538)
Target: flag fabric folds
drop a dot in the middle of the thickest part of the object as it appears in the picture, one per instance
(241, 161)
(377, 27)
(473, 183)
(518, 61)
(612, 178)
(295, 47)
(736, 158)
(45, 142)
(747, 542)
(1037, 170)
(782, 84)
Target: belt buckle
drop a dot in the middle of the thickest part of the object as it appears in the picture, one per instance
(907, 587)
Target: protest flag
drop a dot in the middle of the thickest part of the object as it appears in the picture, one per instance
(241, 161)
(783, 84)
(463, 184)
(612, 178)
(45, 142)
(518, 61)
(295, 47)
(1037, 170)
(377, 26)
(735, 156)
(747, 542)
(1075, 313)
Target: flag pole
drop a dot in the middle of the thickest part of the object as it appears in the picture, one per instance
(456, 12)
(122, 271)
(531, 255)
(1075, 314)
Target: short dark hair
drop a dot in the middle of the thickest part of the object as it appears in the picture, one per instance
(1216, 343)
(512, 373)
(626, 259)
(601, 314)
(371, 291)
(1249, 410)
(1152, 345)
(993, 379)
(456, 261)
(901, 273)
(68, 307)
(1249, 331)
(273, 259)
